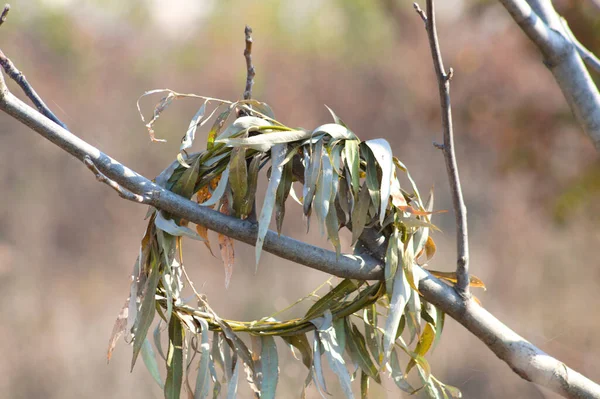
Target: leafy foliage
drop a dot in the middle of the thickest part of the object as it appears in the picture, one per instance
(346, 183)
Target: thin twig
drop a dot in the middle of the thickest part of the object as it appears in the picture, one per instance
(21, 80)
(123, 193)
(588, 57)
(460, 210)
(4, 13)
(420, 12)
(251, 72)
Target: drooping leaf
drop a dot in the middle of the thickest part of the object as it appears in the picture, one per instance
(323, 191)
(371, 337)
(340, 291)
(283, 191)
(233, 382)
(312, 171)
(358, 351)
(147, 308)
(250, 198)
(185, 185)
(391, 258)
(364, 385)
(269, 367)
(278, 153)
(301, 343)
(425, 342)
(226, 248)
(332, 222)
(352, 159)
(174, 360)
(202, 380)
(119, 328)
(240, 125)
(372, 177)
(317, 368)
(203, 232)
(238, 178)
(336, 131)
(190, 134)
(150, 361)
(398, 375)
(383, 155)
(264, 142)
(359, 213)
(398, 301)
(430, 248)
(157, 343)
(219, 190)
(169, 226)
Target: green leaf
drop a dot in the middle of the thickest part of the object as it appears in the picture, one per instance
(364, 385)
(269, 367)
(217, 126)
(335, 117)
(336, 131)
(371, 336)
(157, 342)
(150, 362)
(403, 168)
(239, 125)
(312, 170)
(323, 191)
(190, 134)
(398, 301)
(331, 348)
(372, 177)
(318, 365)
(283, 190)
(359, 213)
(333, 297)
(391, 259)
(264, 142)
(358, 351)
(184, 186)
(353, 163)
(233, 382)
(238, 178)
(169, 226)
(202, 380)
(332, 222)
(301, 343)
(398, 375)
(174, 360)
(147, 310)
(278, 153)
(383, 155)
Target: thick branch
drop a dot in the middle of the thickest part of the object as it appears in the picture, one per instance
(460, 210)
(523, 357)
(562, 58)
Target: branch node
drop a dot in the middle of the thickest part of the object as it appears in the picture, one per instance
(439, 146)
(448, 76)
(123, 193)
(4, 13)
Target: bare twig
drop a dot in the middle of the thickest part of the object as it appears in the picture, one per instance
(539, 20)
(21, 80)
(460, 210)
(251, 72)
(588, 57)
(420, 12)
(4, 13)
(123, 193)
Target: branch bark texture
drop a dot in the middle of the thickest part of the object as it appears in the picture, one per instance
(523, 357)
(541, 23)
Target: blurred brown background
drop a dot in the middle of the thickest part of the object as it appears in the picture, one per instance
(67, 244)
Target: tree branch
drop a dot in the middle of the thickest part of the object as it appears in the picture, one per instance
(251, 72)
(4, 13)
(539, 20)
(524, 358)
(460, 210)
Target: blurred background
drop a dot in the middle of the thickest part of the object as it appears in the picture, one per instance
(531, 178)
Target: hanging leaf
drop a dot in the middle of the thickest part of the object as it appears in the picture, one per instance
(398, 301)
(190, 134)
(372, 177)
(312, 171)
(174, 360)
(202, 380)
(249, 200)
(219, 191)
(352, 157)
(119, 328)
(169, 226)
(336, 131)
(358, 351)
(233, 382)
(269, 367)
(278, 153)
(398, 375)
(359, 213)
(364, 385)
(184, 186)
(238, 178)
(217, 126)
(283, 191)
(301, 343)
(332, 221)
(323, 191)
(150, 361)
(226, 248)
(203, 232)
(318, 366)
(264, 142)
(383, 154)
(371, 337)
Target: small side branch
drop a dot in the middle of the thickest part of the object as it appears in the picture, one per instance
(4, 13)
(251, 72)
(123, 193)
(588, 57)
(460, 210)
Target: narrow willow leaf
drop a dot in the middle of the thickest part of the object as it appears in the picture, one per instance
(238, 178)
(364, 385)
(372, 338)
(215, 379)
(283, 190)
(403, 168)
(203, 378)
(318, 366)
(398, 301)
(216, 351)
(264, 142)
(340, 333)
(147, 308)
(383, 154)
(278, 153)
(217, 126)
(261, 107)
(414, 308)
(439, 326)
(253, 170)
(430, 248)
(358, 351)
(240, 125)
(336, 159)
(391, 258)
(150, 361)
(336, 119)
(398, 375)
(330, 343)
(359, 213)
(269, 367)
(169, 226)
(352, 157)
(333, 297)
(331, 221)
(453, 391)
(301, 343)
(227, 255)
(335, 131)
(219, 190)
(312, 171)
(184, 186)
(203, 232)
(233, 382)
(174, 360)
(372, 177)
(157, 342)
(166, 174)
(190, 134)
(323, 191)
